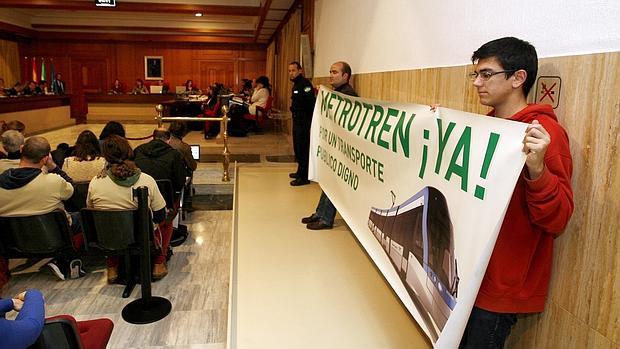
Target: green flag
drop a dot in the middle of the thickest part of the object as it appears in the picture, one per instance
(43, 75)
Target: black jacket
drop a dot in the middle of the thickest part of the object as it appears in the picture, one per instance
(302, 96)
(161, 161)
(347, 90)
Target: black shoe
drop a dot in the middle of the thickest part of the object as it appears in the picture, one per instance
(293, 175)
(299, 181)
(310, 219)
(318, 226)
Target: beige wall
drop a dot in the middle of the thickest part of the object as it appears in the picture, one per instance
(582, 310)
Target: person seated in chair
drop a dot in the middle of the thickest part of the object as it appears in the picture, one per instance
(30, 327)
(178, 130)
(86, 161)
(190, 89)
(117, 88)
(244, 119)
(112, 190)
(212, 110)
(12, 141)
(139, 89)
(27, 191)
(27, 326)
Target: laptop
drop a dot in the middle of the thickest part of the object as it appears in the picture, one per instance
(195, 151)
(156, 89)
(179, 90)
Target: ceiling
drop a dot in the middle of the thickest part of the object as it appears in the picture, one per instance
(221, 21)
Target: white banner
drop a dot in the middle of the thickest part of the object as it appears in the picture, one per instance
(424, 192)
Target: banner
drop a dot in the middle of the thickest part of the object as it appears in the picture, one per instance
(425, 194)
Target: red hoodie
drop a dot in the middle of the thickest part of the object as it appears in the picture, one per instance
(517, 278)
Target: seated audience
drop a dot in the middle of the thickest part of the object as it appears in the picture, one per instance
(160, 160)
(112, 190)
(32, 89)
(14, 125)
(117, 88)
(262, 90)
(190, 89)
(45, 88)
(16, 90)
(27, 190)
(212, 110)
(165, 87)
(3, 89)
(111, 128)
(139, 89)
(27, 326)
(11, 142)
(87, 161)
(178, 130)
(246, 88)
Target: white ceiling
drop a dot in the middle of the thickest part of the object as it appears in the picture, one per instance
(223, 21)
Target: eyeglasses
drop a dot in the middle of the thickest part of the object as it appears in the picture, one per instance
(485, 75)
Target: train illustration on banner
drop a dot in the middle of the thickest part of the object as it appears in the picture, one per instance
(417, 236)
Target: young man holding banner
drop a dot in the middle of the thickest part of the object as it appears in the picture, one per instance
(323, 217)
(517, 277)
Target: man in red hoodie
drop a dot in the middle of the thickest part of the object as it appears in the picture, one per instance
(517, 277)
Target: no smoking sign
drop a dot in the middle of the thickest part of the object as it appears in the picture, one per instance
(548, 90)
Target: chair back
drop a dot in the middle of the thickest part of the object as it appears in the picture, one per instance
(166, 190)
(108, 230)
(46, 234)
(58, 333)
(77, 201)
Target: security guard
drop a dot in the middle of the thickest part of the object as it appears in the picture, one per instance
(302, 107)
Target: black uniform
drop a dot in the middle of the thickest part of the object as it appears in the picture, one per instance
(302, 107)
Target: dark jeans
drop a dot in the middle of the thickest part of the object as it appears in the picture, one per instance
(326, 210)
(487, 330)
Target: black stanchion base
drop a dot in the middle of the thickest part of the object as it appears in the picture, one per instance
(142, 312)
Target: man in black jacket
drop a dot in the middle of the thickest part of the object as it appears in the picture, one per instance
(161, 161)
(302, 107)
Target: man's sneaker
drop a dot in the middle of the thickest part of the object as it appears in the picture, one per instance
(75, 269)
(58, 268)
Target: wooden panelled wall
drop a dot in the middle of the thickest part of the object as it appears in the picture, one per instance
(96, 65)
(9, 62)
(583, 309)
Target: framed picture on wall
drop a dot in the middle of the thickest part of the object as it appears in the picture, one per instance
(153, 67)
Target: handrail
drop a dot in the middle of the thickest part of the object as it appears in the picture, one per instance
(224, 127)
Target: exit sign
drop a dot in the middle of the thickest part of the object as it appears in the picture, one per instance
(106, 3)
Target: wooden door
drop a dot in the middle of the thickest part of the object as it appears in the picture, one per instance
(87, 76)
(212, 72)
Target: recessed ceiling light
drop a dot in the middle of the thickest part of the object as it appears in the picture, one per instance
(198, 14)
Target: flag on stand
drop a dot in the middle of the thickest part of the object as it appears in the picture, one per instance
(34, 69)
(52, 76)
(43, 75)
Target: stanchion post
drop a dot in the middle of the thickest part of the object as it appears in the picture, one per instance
(226, 153)
(159, 109)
